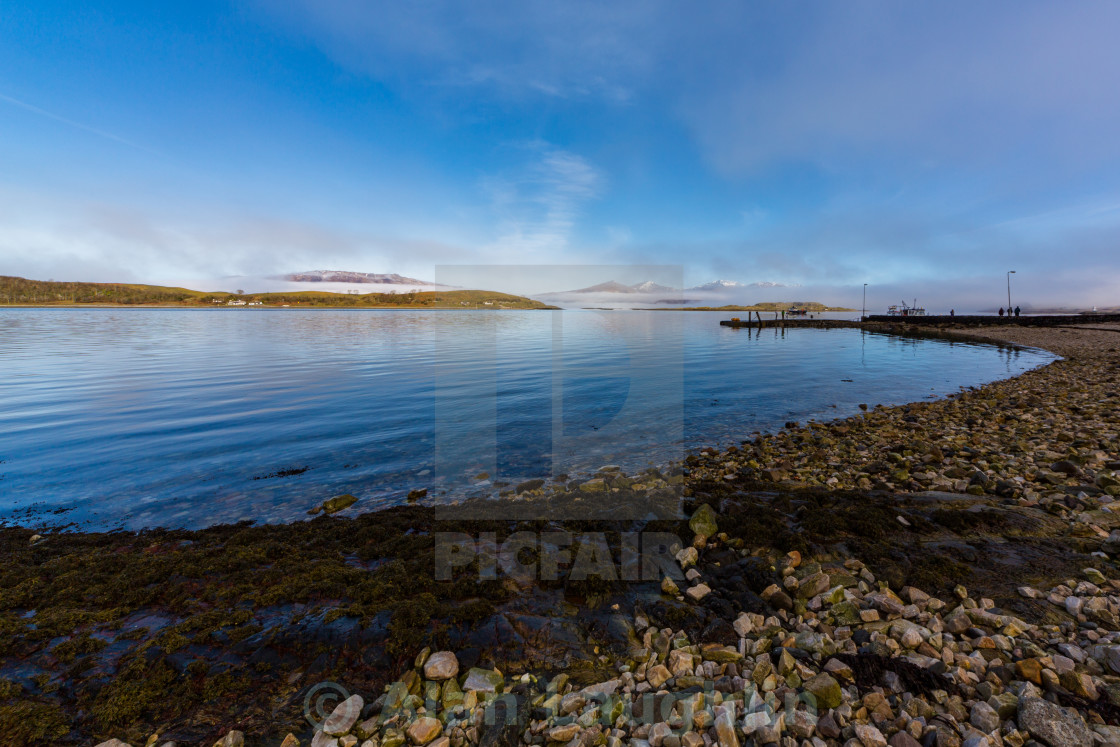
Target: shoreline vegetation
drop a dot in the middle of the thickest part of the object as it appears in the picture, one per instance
(21, 292)
(941, 572)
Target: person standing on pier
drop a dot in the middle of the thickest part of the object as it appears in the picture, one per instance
(1016, 311)
(1001, 311)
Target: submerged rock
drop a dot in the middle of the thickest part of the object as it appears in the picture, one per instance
(338, 503)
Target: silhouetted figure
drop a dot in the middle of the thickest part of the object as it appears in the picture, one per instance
(1001, 311)
(1016, 311)
(952, 312)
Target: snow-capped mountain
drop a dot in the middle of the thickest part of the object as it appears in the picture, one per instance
(717, 285)
(346, 276)
(651, 287)
(723, 285)
(612, 286)
(613, 294)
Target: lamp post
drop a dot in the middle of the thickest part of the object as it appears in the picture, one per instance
(1009, 274)
(864, 302)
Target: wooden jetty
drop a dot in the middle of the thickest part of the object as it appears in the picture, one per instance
(883, 322)
(760, 323)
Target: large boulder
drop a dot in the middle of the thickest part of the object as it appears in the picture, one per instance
(344, 716)
(442, 665)
(826, 690)
(483, 680)
(703, 521)
(1052, 724)
(424, 730)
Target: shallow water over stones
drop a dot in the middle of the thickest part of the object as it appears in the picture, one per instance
(185, 418)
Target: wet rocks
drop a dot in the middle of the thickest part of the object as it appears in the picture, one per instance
(730, 656)
(1038, 439)
(894, 675)
(703, 521)
(338, 503)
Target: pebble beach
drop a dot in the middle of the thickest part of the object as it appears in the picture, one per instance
(939, 573)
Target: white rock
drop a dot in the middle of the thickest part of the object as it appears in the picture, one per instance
(442, 665)
(698, 592)
(344, 716)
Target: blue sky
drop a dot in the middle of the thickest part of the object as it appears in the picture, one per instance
(922, 148)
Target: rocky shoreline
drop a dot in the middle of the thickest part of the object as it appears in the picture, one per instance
(939, 573)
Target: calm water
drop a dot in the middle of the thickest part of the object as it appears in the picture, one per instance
(173, 417)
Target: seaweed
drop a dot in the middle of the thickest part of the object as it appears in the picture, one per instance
(32, 723)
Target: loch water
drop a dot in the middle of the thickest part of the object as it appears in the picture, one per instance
(119, 417)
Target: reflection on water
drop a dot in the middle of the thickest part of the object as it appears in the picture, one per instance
(174, 417)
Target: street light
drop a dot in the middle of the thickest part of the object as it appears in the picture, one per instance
(1009, 274)
(864, 302)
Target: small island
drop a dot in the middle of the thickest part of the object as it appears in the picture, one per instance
(16, 291)
(811, 307)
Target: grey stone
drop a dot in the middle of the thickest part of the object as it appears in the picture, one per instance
(984, 717)
(1054, 725)
(902, 739)
(483, 681)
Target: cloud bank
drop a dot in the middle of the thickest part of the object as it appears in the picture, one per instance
(924, 149)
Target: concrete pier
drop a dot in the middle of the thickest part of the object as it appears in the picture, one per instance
(1050, 320)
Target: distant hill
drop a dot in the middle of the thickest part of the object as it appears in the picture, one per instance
(718, 285)
(346, 276)
(769, 284)
(612, 286)
(22, 292)
(811, 306)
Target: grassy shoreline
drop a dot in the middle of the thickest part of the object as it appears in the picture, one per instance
(21, 293)
(192, 634)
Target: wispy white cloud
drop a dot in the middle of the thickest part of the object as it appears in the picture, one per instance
(77, 125)
(46, 237)
(538, 206)
(580, 49)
